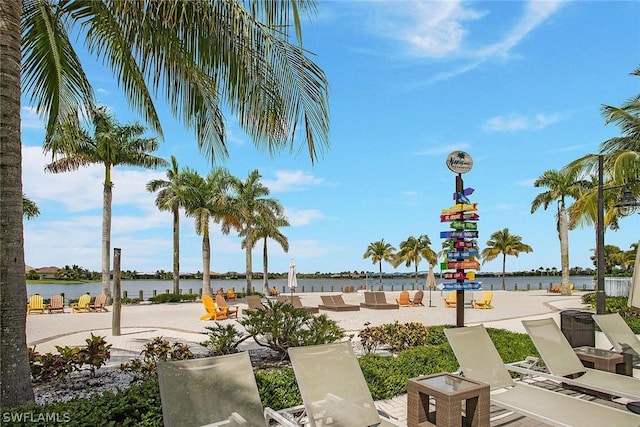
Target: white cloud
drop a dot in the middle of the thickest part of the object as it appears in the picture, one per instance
(301, 217)
(518, 122)
(29, 119)
(527, 182)
(288, 180)
(445, 149)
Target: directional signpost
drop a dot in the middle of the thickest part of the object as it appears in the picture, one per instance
(461, 218)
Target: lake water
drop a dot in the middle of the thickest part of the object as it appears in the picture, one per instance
(148, 287)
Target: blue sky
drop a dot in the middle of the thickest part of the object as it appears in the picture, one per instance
(518, 85)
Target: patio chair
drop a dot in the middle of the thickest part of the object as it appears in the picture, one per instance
(231, 294)
(294, 300)
(555, 289)
(377, 301)
(619, 334)
(82, 306)
(36, 304)
(222, 304)
(468, 299)
(99, 304)
(336, 303)
(479, 360)
(564, 365)
(404, 300)
(417, 299)
(484, 301)
(56, 304)
(450, 301)
(254, 303)
(333, 387)
(213, 312)
(213, 391)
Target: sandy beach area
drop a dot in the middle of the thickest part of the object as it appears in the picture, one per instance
(180, 321)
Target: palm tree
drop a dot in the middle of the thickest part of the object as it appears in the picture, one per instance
(30, 209)
(413, 250)
(112, 145)
(561, 185)
(380, 251)
(270, 230)
(627, 117)
(206, 199)
(171, 198)
(249, 203)
(243, 59)
(502, 242)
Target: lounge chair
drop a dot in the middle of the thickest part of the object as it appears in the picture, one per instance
(377, 301)
(231, 294)
(294, 300)
(222, 304)
(213, 312)
(404, 300)
(56, 304)
(99, 304)
(620, 335)
(254, 303)
(36, 304)
(480, 361)
(555, 289)
(468, 299)
(333, 387)
(484, 301)
(564, 365)
(213, 391)
(336, 303)
(82, 306)
(450, 301)
(417, 299)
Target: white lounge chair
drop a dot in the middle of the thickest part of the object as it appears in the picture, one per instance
(213, 391)
(564, 365)
(333, 387)
(479, 360)
(620, 335)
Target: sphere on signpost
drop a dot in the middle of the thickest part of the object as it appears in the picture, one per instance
(459, 162)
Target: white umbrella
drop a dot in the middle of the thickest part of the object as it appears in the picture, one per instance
(431, 282)
(634, 291)
(292, 281)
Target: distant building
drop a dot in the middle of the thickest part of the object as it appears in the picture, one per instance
(47, 272)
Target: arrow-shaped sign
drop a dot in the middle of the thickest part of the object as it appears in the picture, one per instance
(467, 216)
(459, 276)
(462, 244)
(463, 225)
(461, 254)
(458, 265)
(466, 192)
(459, 234)
(454, 286)
(460, 207)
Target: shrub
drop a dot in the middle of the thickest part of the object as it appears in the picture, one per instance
(164, 298)
(397, 337)
(280, 326)
(223, 339)
(157, 350)
(278, 388)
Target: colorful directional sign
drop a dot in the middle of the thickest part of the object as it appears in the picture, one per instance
(459, 234)
(458, 265)
(462, 244)
(460, 207)
(463, 225)
(466, 285)
(466, 192)
(470, 275)
(467, 216)
(461, 254)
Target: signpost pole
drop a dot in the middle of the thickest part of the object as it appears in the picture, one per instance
(459, 292)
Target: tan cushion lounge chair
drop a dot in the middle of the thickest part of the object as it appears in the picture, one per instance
(333, 387)
(377, 301)
(213, 391)
(294, 300)
(222, 304)
(254, 303)
(619, 334)
(56, 304)
(36, 304)
(336, 303)
(479, 360)
(564, 365)
(99, 304)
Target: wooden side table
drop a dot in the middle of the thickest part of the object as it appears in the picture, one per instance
(604, 360)
(453, 394)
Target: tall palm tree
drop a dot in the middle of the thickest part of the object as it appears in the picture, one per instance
(171, 198)
(627, 117)
(505, 243)
(266, 230)
(199, 55)
(380, 251)
(30, 209)
(249, 203)
(415, 249)
(561, 185)
(112, 145)
(206, 200)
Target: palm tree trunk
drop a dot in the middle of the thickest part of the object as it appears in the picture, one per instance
(206, 264)
(249, 267)
(106, 236)
(176, 251)
(504, 268)
(380, 272)
(265, 268)
(15, 376)
(564, 249)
